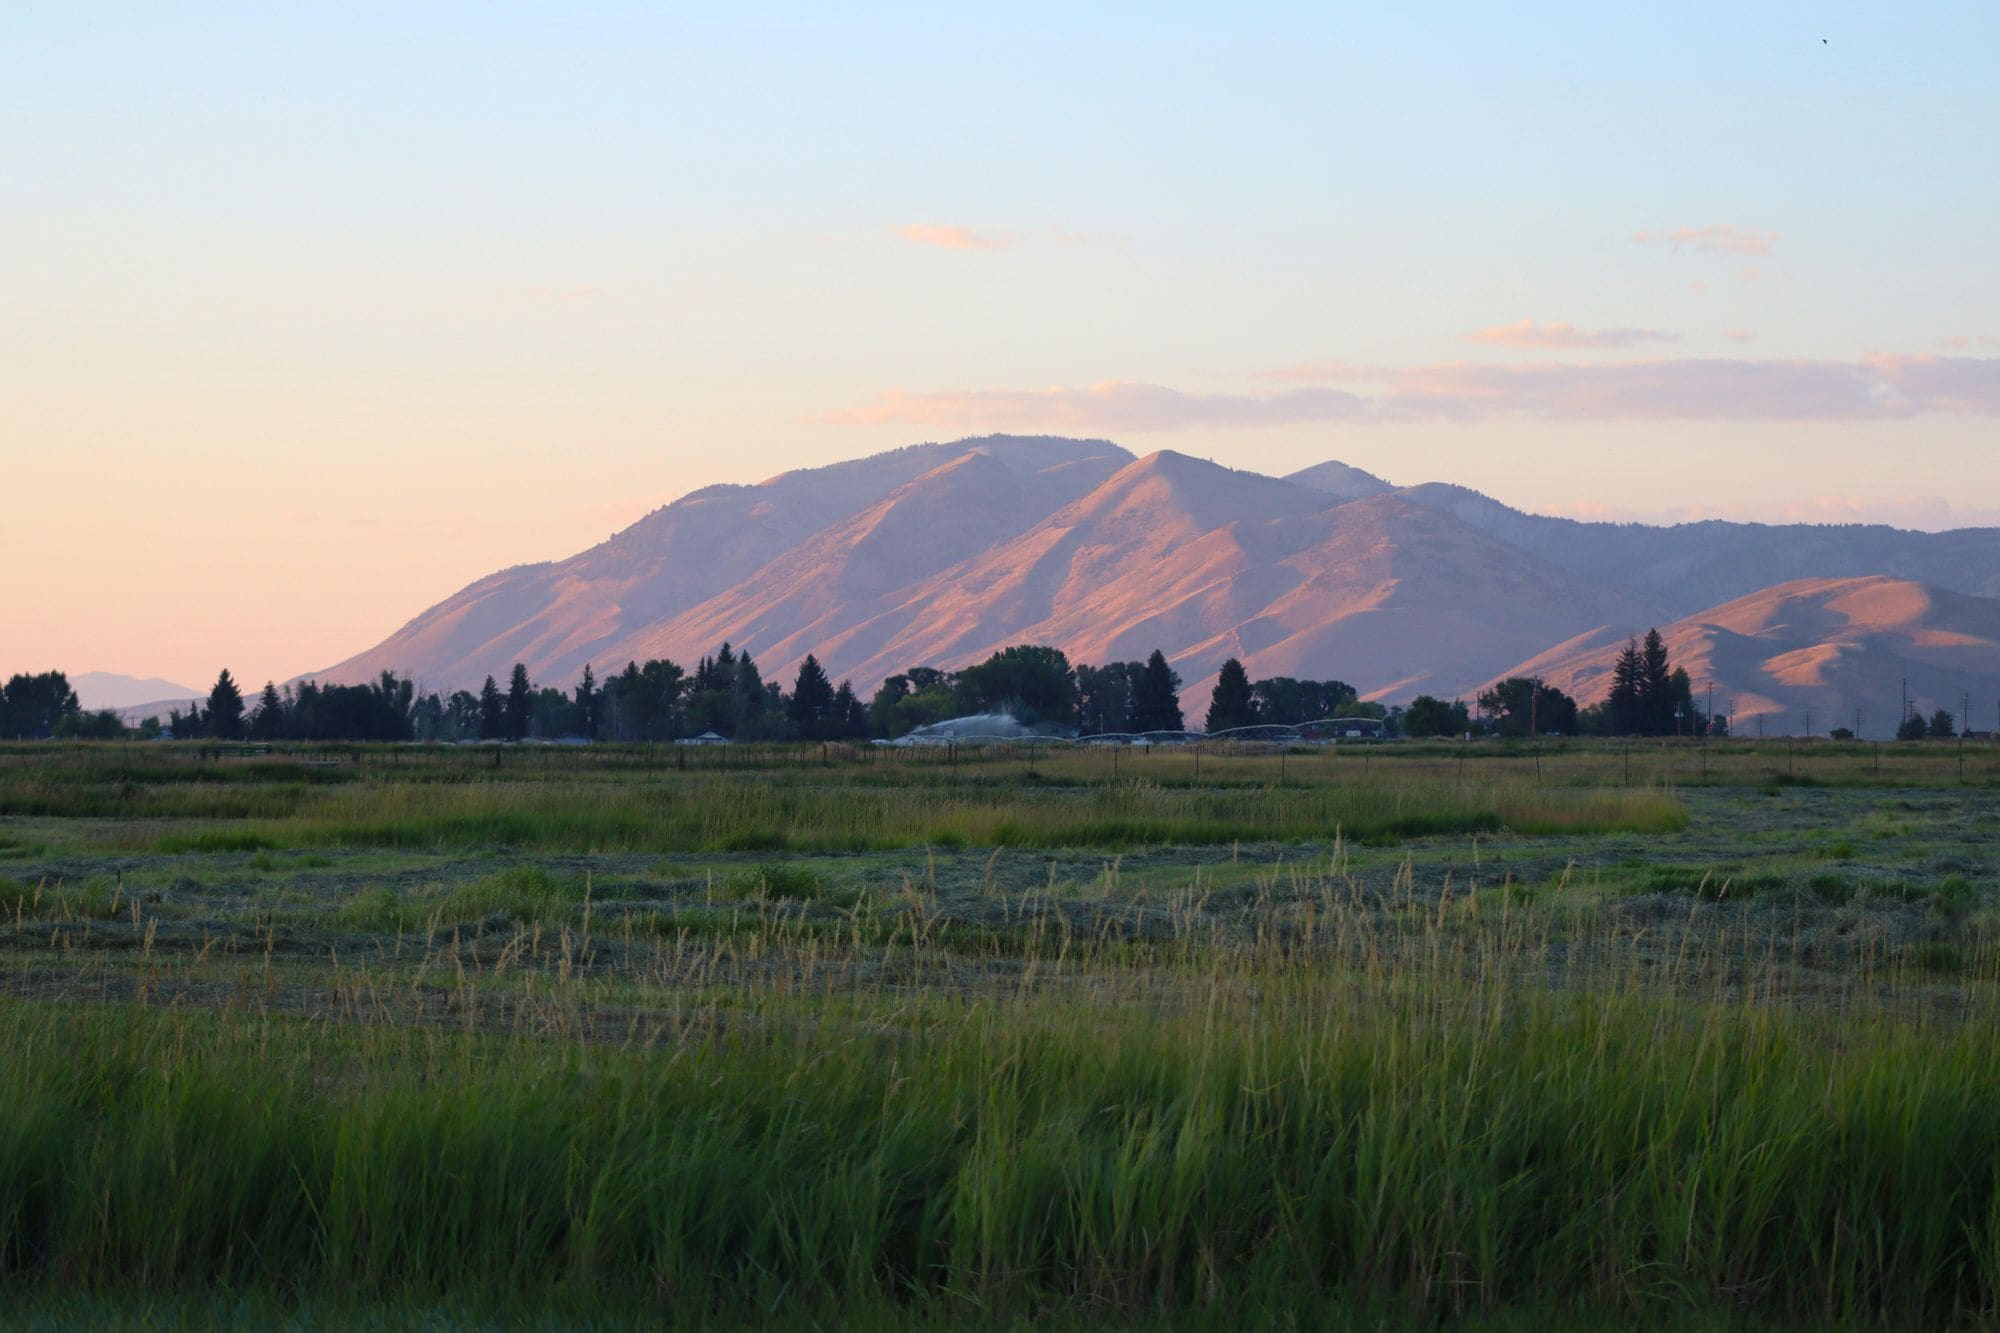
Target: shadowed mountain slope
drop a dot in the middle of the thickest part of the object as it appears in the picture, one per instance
(1692, 565)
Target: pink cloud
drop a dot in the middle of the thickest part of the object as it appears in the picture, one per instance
(1739, 335)
(1527, 333)
(1960, 342)
(1743, 242)
(947, 236)
(1678, 389)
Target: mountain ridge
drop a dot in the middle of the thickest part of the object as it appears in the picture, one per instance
(939, 553)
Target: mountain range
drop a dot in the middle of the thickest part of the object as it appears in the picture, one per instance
(939, 554)
(108, 689)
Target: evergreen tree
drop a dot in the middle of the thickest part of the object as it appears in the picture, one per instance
(852, 715)
(187, 726)
(1156, 701)
(267, 723)
(1912, 728)
(1623, 713)
(749, 685)
(1943, 726)
(586, 703)
(1680, 703)
(224, 714)
(520, 703)
(1231, 706)
(492, 712)
(812, 704)
(1655, 697)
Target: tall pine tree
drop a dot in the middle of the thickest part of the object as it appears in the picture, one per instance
(225, 709)
(267, 723)
(1656, 687)
(1156, 699)
(811, 706)
(1623, 704)
(492, 712)
(1231, 706)
(520, 703)
(587, 703)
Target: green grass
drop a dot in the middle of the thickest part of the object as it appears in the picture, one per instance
(750, 815)
(1449, 1150)
(1403, 1036)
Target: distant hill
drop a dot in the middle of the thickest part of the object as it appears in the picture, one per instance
(938, 554)
(108, 689)
(1830, 646)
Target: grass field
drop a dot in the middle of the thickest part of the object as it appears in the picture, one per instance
(1579, 1036)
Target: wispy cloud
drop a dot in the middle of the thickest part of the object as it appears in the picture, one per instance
(1113, 405)
(1527, 333)
(1678, 389)
(1960, 342)
(1743, 242)
(1739, 335)
(1690, 389)
(949, 236)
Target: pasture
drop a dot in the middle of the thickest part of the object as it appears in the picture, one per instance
(1576, 1034)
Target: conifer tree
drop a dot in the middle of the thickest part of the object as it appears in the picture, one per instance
(850, 712)
(587, 703)
(1656, 693)
(811, 706)
(750, 695)
(224, 715)
(1623, 704)
(492, 712)
(1231, 706)
(1156, 700)
(520, 702)
(267, 723)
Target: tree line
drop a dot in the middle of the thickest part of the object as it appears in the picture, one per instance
(727, 694)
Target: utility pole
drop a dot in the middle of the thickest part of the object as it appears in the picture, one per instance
(1857, 724)
(1808, 722)
(1904, 716)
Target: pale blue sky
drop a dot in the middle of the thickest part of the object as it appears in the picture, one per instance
(400, 294)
